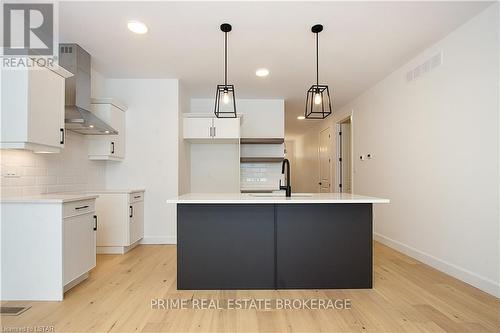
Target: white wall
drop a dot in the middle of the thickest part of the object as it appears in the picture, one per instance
(151, 158)
(215, 168)
(67, 171)
(184, 146)
(435, 143)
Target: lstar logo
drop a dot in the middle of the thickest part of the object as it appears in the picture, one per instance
(28, 29)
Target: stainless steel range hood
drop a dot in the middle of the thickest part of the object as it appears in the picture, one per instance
(78, 117)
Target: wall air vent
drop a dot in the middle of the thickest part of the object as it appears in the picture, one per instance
(425, 67)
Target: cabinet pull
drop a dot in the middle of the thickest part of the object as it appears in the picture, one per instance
(95, 222)
(62, 136)
(112, 147)
(131, 211)
(81, 207)
(215, 133)
(137, 197)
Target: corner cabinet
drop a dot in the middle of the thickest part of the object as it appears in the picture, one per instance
(32, 114)
(108, 147)
(205, 128)
(121, 224)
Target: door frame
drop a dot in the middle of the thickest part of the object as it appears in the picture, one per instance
(330, 157)
(338, 153)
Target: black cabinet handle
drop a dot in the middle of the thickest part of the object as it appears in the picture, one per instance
(82, 207)
(62, 136)
(95, 222)
(137, 197)
(112, 147)
(131, 211)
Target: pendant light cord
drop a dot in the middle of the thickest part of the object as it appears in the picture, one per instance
(317, 59)
(225, 59)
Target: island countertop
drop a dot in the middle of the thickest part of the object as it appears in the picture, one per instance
(273, 198)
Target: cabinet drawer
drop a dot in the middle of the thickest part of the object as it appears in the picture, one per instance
(78, 207)
(136, 197)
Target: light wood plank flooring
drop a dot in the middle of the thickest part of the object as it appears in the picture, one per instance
(408, 296)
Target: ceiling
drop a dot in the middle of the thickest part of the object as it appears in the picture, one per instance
(362, 42)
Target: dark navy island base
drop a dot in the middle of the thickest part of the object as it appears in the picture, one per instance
(274, 246)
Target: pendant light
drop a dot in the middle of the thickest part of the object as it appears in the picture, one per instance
(318, 103)
(225, 104)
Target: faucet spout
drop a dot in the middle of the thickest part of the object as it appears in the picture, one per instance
(287, 188)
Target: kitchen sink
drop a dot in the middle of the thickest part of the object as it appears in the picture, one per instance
(278, 195)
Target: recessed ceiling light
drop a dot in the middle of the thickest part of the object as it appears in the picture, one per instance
(301, 117)
(137, 27)
(262, 72)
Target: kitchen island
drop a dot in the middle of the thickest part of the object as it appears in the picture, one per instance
(269, 241)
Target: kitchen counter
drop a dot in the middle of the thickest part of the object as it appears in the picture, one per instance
(50, 198)
(115, 191)
(273, 198)
(268, 241)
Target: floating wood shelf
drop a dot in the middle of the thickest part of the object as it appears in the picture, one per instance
(261, 159)
(261, 141)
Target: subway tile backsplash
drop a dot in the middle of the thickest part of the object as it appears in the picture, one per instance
(24, 173)
(260, 176)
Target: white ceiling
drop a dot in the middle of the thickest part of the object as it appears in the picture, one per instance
(362, 43)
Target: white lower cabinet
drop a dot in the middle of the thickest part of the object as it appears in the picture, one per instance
(79, 246)
(48, 246)
(121, 220)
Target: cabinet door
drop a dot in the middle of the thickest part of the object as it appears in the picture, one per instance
(226, 246)
(136, 221)
(79, 248)
(46, 108)
(197, 128)
(324, 246)
(104, 147)
(227, 128)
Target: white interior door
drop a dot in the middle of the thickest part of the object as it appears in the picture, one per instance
(344, 147)
(324, 160)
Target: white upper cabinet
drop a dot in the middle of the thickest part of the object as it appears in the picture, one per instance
(108, 147)
(32, 113)
(226, 128)
(210, 128)
(198, 128)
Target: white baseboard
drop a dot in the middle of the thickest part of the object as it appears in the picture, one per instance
(159, 240)
(487, 285)
(117, 249)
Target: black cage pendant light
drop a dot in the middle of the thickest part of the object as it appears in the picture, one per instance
(225, 104)
(318, 102)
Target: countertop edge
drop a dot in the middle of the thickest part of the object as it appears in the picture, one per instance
(33, 200)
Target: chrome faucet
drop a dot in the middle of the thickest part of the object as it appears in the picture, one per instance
(287, 188)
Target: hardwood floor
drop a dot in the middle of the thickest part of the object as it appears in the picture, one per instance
(408, 296)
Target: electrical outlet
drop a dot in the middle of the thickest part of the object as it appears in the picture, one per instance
(10, 172)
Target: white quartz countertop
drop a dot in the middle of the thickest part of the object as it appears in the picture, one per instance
(50, 198)
(271, 198)
(113, 191)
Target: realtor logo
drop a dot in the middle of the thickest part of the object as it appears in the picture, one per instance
(28, 29)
